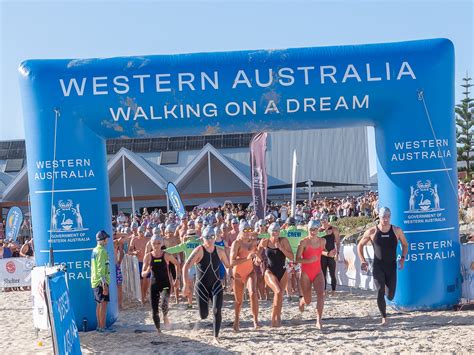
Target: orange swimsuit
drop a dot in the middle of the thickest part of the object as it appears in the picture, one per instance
(312, 269)
(246, 268)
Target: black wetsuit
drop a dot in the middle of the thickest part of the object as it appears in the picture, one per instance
(208, 285)
(385, 266)
(159, 287)
(328, 262)
(275, 262)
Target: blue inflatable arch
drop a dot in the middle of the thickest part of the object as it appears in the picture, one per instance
(404, 90)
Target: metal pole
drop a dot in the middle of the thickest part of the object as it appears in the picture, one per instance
(293, 186)
(51, 254)
(209, 169)
(124, 177)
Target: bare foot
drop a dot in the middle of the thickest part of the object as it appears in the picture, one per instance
(332, 293)
(384, 322)
(256, 325)
(236, 325)
(319, 325)
(301, 305)
(216, 340)
(158, 331)
(167, 323)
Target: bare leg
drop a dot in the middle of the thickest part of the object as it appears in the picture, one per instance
(305, 285)
(120, 296)
(283, 282)
(272, 282)
(97, 313)
(143, 287)
(239, 286)
(103, 314)
(253, 295)
(318, 285)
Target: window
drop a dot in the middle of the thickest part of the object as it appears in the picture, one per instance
(13, 165)
(167, 158)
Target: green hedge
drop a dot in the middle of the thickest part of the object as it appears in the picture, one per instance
(352, 227)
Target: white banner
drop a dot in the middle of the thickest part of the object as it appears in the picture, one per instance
(467, 271)
(131, 278)
(40, 311)
(15, 272)
(348, 272)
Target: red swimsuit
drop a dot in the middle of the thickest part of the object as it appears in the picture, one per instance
(312, 269)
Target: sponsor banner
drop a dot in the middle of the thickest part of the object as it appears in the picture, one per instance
(467, 271)
(15, 272)
(65, 333)
(131, 278)
(14, 221)
(348, 272)
(175, 199)
(258, 170)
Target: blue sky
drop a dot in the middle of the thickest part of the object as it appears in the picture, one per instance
(82, 29)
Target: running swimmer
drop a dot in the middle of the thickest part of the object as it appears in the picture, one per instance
(207, 258)
(276, 250)
(309, 255)
(333, 245)
(171, 240)
(190, 242)
(157, 262)
(384, 237)
(242, 255)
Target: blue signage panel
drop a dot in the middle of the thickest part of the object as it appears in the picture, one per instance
(404, 90)
(64, 326)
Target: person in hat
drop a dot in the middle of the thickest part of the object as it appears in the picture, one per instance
(208, 286)
(157, 263)
(333, 245)
(100, 279)
(190, 242)
(233, 233)
(170, 240)
(384, 237)
(309, 254)
(138, 248)
(242, 256)
(276, 250)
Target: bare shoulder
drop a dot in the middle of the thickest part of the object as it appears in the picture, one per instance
(396, 228)
(370, 232)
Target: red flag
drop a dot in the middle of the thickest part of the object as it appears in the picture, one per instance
(258, 170)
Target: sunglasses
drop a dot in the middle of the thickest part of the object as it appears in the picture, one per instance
(247, 230)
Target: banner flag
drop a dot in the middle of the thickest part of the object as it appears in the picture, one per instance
(14, 221)
(258, 171)
(175, 199)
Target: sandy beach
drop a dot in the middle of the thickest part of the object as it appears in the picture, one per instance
(351, 324)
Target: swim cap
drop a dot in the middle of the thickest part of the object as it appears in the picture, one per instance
(313, 224)
(291, 221)
(274, 227)
(383, 211)
(156, 231)
(156, 238)
(208, 233)
(170, 228)
(244, 226)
